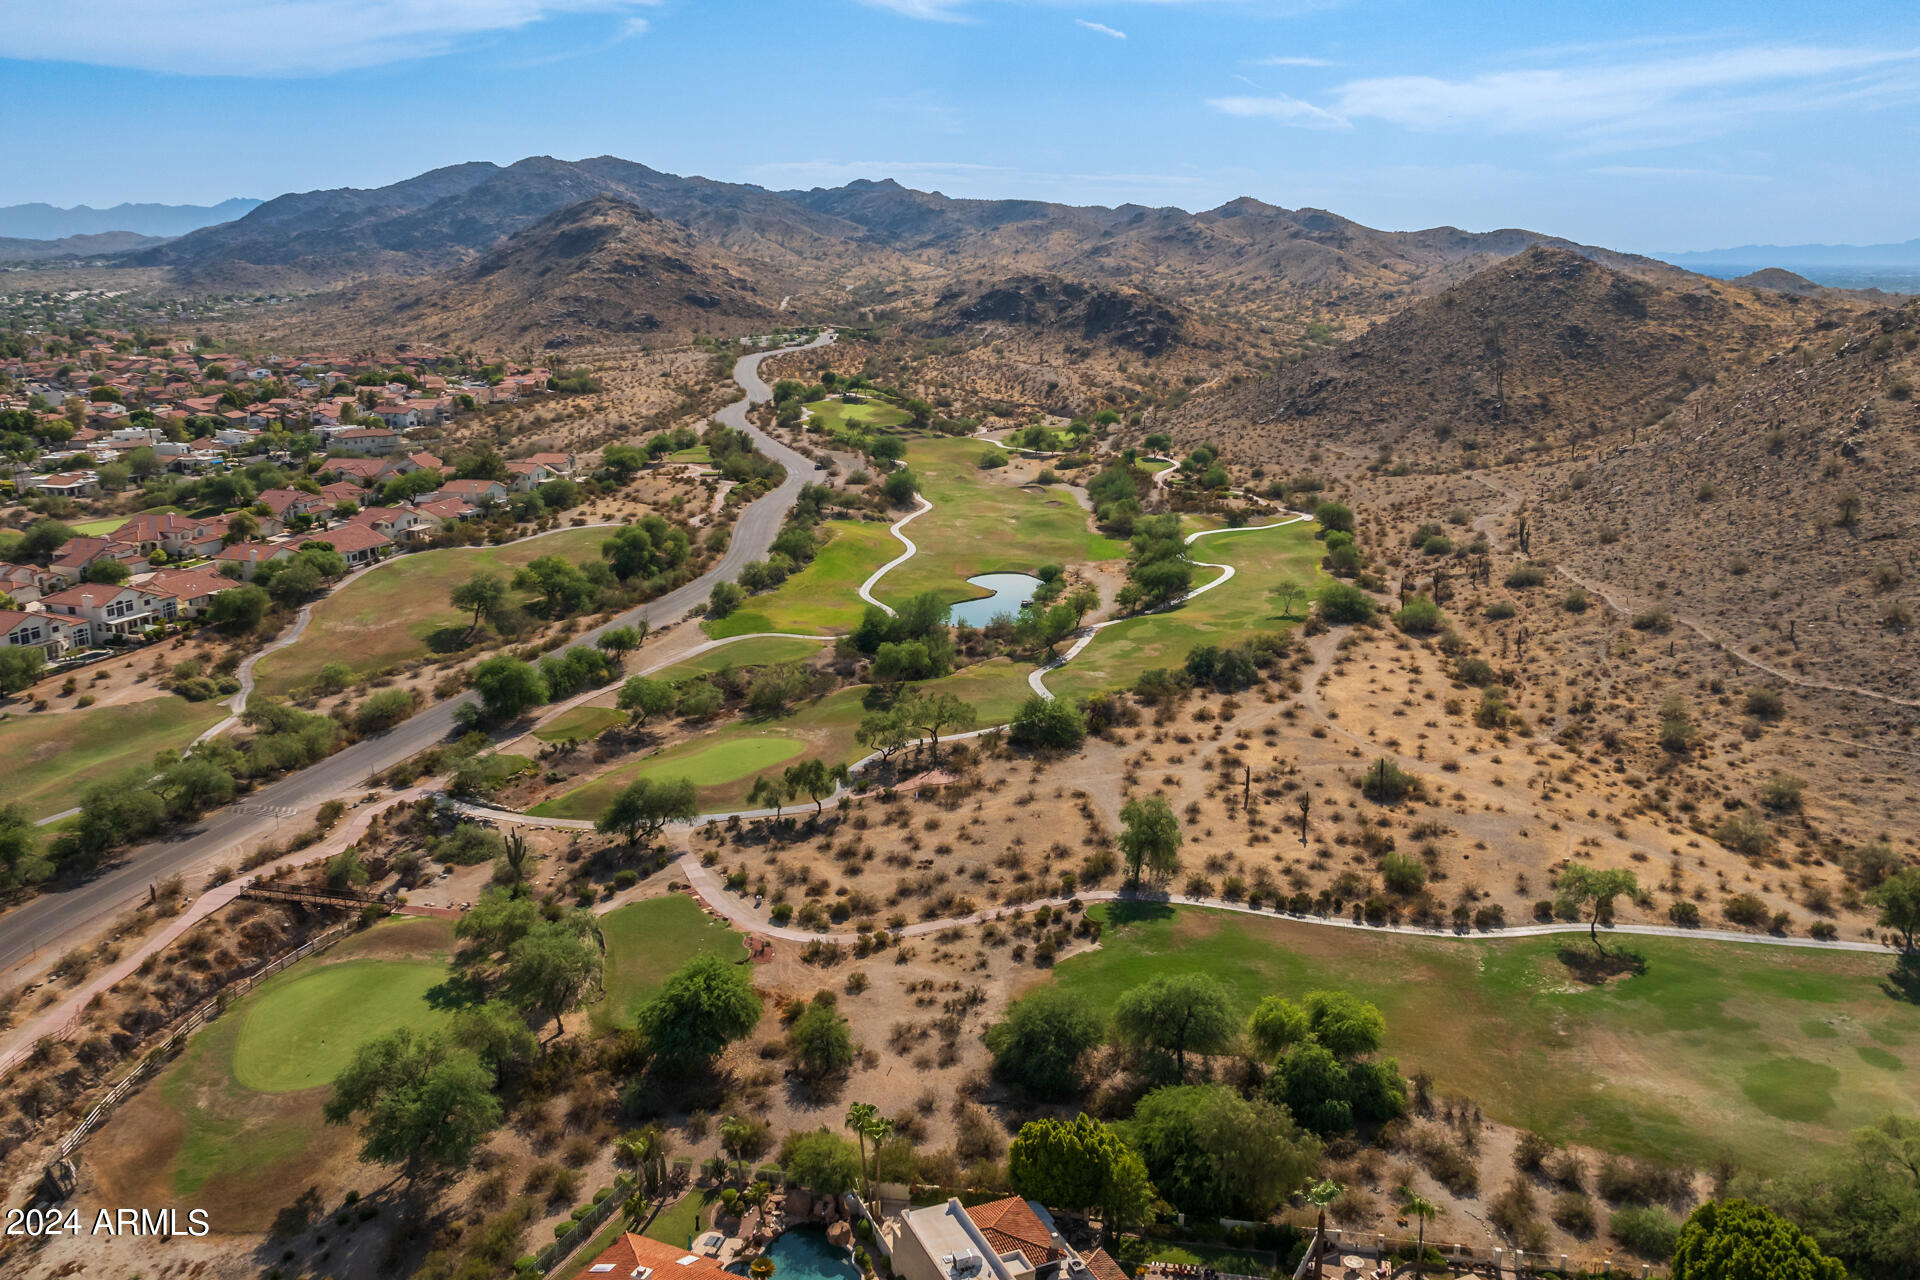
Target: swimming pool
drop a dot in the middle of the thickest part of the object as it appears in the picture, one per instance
(802, 1253)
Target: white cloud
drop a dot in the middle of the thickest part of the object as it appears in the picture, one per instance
(1619, 105)
(1280, 107)
(1102, 28)
(288, 37)
(1291, 60)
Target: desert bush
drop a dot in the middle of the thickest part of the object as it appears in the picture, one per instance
(1573, 1212)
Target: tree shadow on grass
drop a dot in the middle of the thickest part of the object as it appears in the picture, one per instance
(449, 639)
(1138, 911)
(1596, 969)
(1903, 980)
(458, 991)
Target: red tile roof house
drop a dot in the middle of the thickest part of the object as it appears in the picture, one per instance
(395, 522)
(398, 417)
(538, 468)
(367, 440)
(113, 611)
(363, 471)
(192, 589)
(634, 1257)
(356, 543)
(342, 491)
(69, 484)
(177, 534)
(287, 503)
(478, 492)
(54, 633)
(446, 510)
(423, 462)
(75, 554)
(1010, 1239)
(24, 583)
(247, 557)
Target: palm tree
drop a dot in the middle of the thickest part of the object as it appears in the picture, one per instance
(865, 1120)
(1424, 1209)
(761, 1268)
(1320, 1195)
(735, 1134)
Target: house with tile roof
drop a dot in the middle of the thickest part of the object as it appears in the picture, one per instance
(192, 589)
(1008, 1239)
(51, 632)
(245, 558)
(125, 610)
(357, 544)
(479, 493)
(75, 554)
(633, 1257)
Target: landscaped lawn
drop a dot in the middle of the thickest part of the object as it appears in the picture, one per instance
(1717, 1049)
(51, 758)
(676, 1224)
(978, 527)
(648, 940)
(725, 762)
(1119, 654)
(699, 453)
(386, 617)
(823, 596)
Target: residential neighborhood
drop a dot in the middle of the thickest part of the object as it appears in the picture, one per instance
(96, 423)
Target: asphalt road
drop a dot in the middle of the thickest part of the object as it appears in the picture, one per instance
(38, 931)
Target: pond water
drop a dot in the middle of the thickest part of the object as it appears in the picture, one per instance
(1009, 591)
(802, 1253)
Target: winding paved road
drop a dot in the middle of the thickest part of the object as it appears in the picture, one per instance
(37, 932)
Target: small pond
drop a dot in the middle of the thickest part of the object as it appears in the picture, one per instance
(1009, 591)
(802, 1253)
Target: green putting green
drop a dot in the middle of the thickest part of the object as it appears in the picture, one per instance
(712, 764)
(304, 1025)
(836, 415)
(824, 730)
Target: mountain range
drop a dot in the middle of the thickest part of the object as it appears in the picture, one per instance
(1904, 254)
(46, 222)
(1247, 255)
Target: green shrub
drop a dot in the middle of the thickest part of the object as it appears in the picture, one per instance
(1403, 874)
(1343, 604)
(1419, 616)
(1387, 783)
(1651, 1233)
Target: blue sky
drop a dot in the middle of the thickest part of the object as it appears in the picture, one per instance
(1640, 125)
